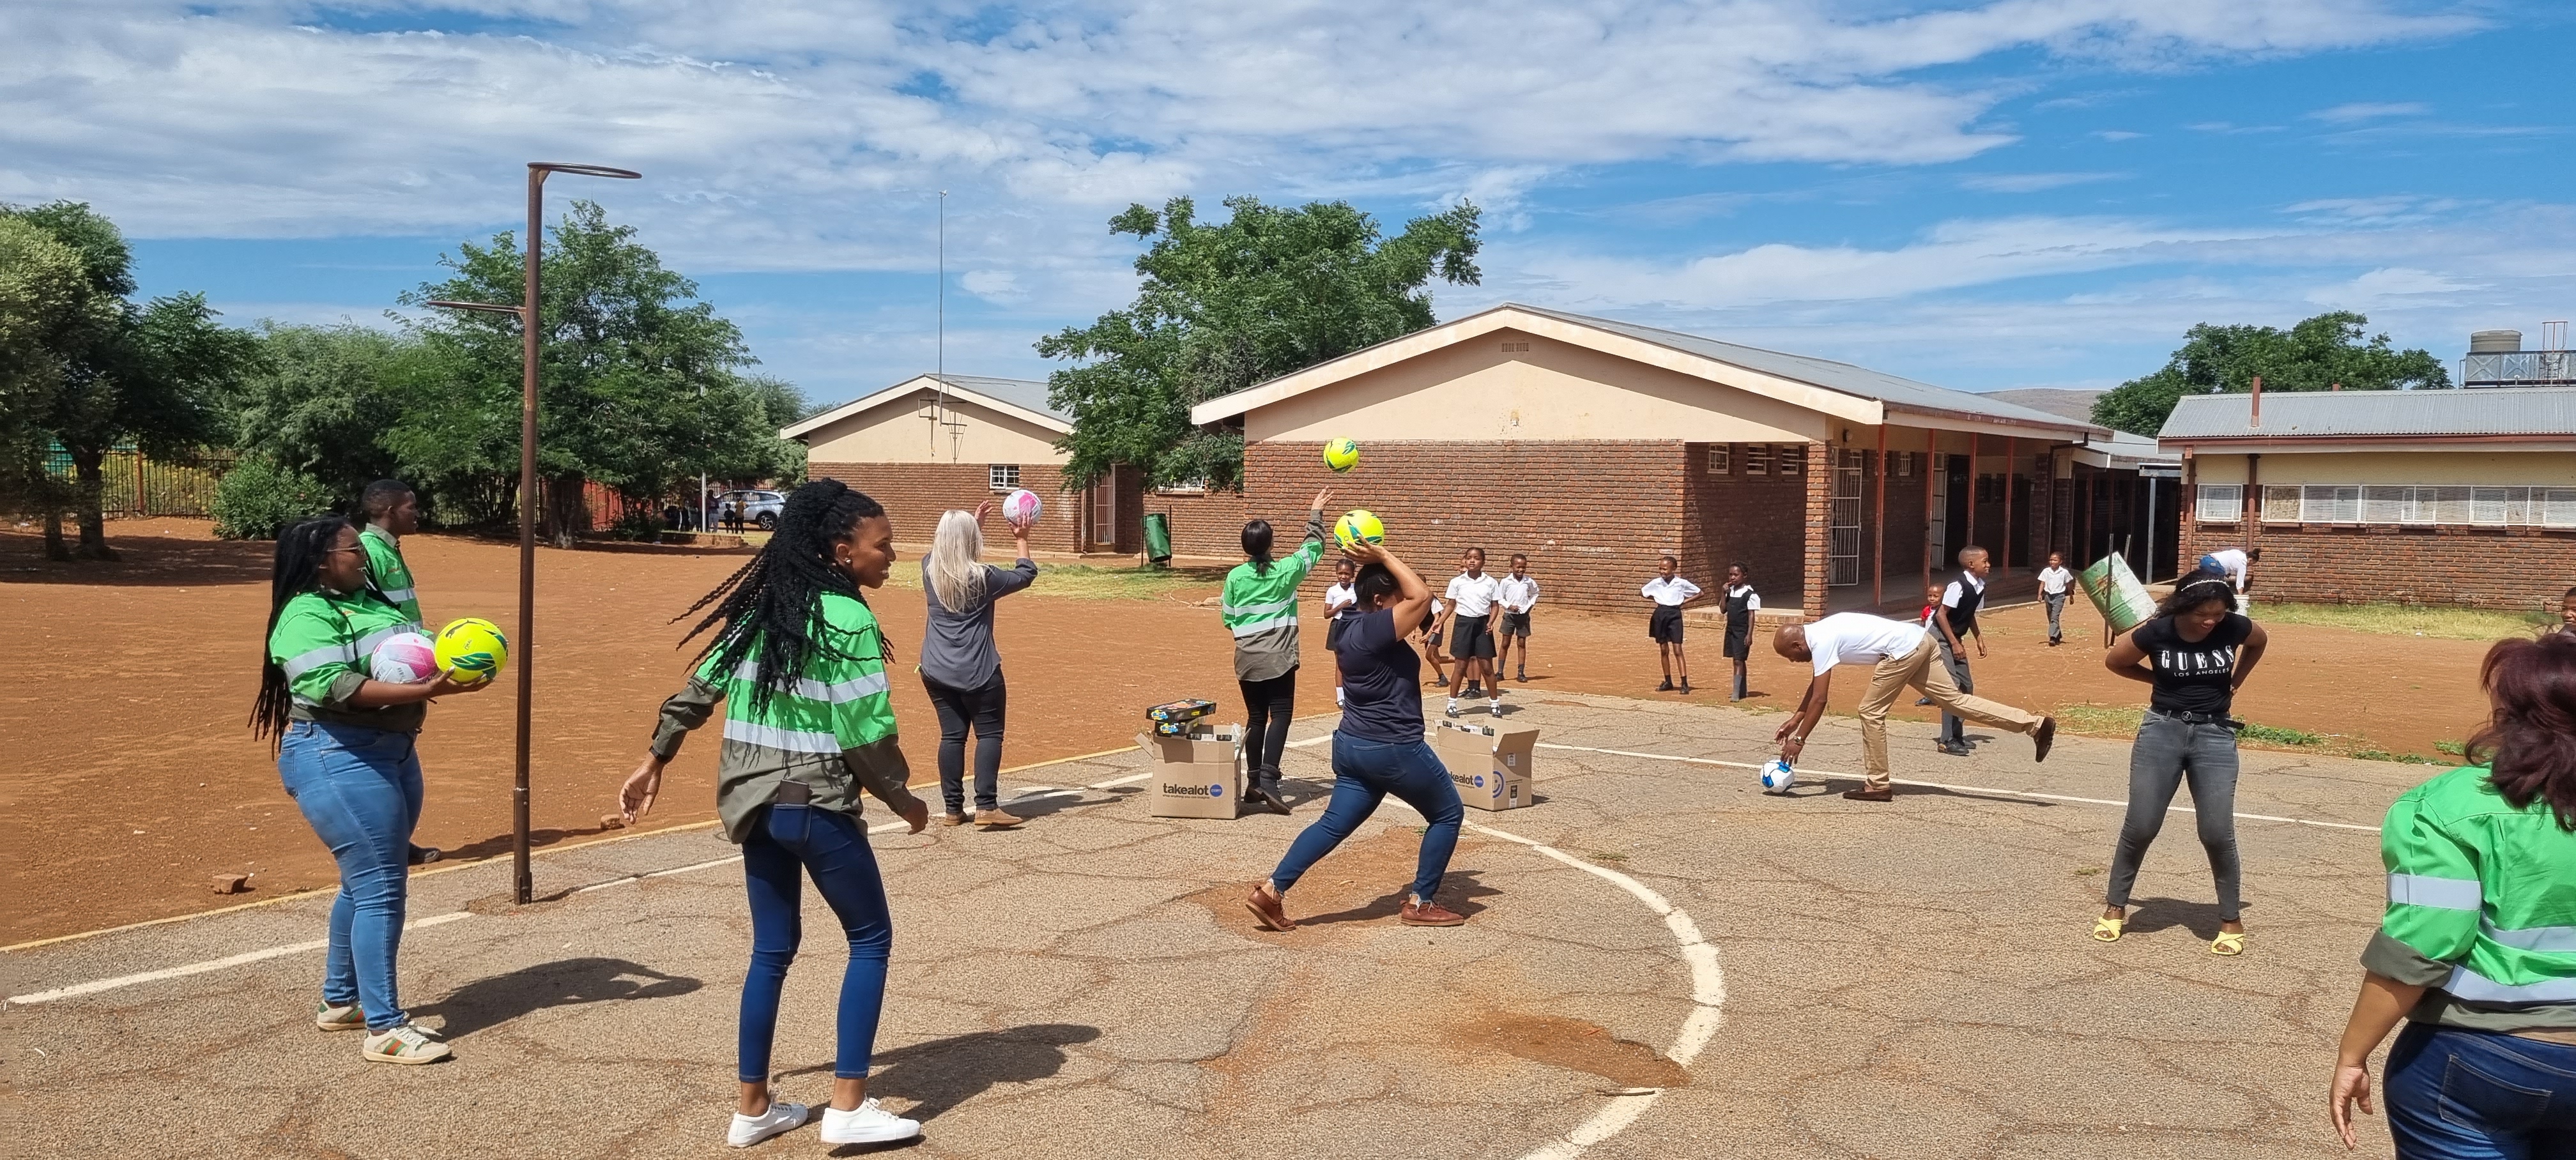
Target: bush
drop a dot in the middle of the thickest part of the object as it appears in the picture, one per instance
(257, 499)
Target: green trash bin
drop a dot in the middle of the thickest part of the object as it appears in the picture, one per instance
(1158, 538)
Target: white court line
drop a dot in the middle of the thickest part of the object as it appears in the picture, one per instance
(245, 957)
(1708, 995)
(2054, 797)
(248, 957)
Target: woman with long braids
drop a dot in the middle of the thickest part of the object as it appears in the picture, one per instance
(1260, 609)
(2195, 653)
(345, 750)
(800, 659)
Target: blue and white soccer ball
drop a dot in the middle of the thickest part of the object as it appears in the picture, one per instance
(1777, 777)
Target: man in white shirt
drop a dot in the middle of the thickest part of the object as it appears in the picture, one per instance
(1471, 638)
(1518, 593)
(1669, 592)
(1900, 655)
(2052, 592)
(2236, 564)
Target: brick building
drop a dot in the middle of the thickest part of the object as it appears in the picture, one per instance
(1592, 445)
(2463, 497)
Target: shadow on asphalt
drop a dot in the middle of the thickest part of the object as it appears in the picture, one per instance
(490, 1002)
(2147, 915)
(499, 844)
(1459, 891)
(939, 1074)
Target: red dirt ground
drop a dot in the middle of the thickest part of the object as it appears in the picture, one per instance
(130, 778)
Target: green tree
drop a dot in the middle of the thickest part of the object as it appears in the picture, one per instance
(153, 378)
(320, 398)
(641, 383)
(1270, 291)
(48, 305)
(2315, 355)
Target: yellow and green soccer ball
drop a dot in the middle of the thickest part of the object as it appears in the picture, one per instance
(472, 650)
(1342, 454)
(1356, 525)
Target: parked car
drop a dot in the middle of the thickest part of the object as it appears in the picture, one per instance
(751, 507)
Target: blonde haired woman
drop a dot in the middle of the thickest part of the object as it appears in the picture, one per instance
(960, 668)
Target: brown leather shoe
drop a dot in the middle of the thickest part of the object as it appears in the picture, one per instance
(1429, 914)
(2045, 736)
(1269, 912)
(995, 819)
(1866, 794)
(952, 819)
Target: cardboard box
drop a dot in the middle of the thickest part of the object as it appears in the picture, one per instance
(1198, 775)
(1489, 763)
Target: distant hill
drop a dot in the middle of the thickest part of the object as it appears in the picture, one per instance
(2076, 405)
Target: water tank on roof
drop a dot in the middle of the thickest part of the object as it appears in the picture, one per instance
(2494, 341)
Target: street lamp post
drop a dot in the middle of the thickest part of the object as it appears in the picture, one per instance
(521, 884)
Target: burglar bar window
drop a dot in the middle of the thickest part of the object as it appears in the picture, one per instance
(1718, 457)
(1005, 476)
(1757, 459)
(1792, 455)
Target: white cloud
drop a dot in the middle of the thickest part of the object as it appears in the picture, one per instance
(2117, 135)
(2387, 282)
(2032, 182)
(2369, 111)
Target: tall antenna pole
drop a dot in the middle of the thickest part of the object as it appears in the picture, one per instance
(939, 352)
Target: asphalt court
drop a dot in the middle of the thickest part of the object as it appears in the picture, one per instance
(1907, 979)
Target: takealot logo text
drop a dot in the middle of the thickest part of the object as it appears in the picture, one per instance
(1197, 791)
(1478, 781)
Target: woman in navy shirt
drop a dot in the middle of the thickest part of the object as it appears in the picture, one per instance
(1378, 748)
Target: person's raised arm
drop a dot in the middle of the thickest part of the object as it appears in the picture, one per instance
(2127, 660)
(1412, 596)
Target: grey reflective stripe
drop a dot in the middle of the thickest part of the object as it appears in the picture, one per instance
(2476, 988)
(297, 666)
(1243, 630)
(2547, 939)
(366, 645)
(858, 688)
(397, 595)
(1258, 609)
(773, 737)
(2440, 893)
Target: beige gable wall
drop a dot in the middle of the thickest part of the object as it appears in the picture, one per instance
(2497, 468)
(895, 432)
(1475, 390)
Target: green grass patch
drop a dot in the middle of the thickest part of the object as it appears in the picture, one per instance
(2452, 748)
(2276, 735)
(2407, 619)
(2402, 758)
(1089, 582)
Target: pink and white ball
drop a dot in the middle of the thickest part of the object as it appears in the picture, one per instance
(1021, 507)
(406, 658)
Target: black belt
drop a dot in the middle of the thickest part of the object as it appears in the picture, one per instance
(2199, 718)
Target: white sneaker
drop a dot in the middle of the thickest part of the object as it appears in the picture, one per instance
(1453, 706)
(868, 1124)
(409, 1043)
(1494, 708)
(749, 1130)
(330, 1018)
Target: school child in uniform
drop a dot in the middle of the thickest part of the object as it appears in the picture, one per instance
(1339, 601)
(1472, 594)
(1741, 603)
(1959, 603)
(2052, 591)
(1517, 593)
(1929, 618)
(1669, 592)
(1428, 633)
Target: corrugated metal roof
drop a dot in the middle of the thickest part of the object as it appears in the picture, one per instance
(1897, 392)
(1029, 394)
(2536, 411)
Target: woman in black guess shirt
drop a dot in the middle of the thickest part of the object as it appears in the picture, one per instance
(2194, 653)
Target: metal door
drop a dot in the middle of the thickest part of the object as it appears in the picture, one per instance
(1842, 552)
(1939, 533)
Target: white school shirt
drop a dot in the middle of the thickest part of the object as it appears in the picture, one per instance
(1671, 593)
(1752, 599)
(1518, 595)
(2234, 562)
(1338, 597)
(1858, 638)
(1474, 595)
(1950, 595)
(2053, 581)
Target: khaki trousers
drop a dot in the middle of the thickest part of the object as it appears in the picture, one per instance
(1922, 669)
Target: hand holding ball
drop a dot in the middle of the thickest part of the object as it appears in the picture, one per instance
(1342, 454)
(1020, 508)
(1359, 525)
(472, 650)
(406, 658)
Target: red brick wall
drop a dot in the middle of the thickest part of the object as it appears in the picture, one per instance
(1211, 524)
(2513, 569)
(1753, 518)
(915, 494)
(1590, 514)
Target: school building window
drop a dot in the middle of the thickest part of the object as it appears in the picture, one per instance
(1791, 455)
(2221, 503)
(2544, 507)
(1757, 459)
(1718, 458)
(1904, 465)
(1183, 487)
(1005, 476)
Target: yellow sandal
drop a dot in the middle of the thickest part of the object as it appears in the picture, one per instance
(2228, 943)
(2108, 929)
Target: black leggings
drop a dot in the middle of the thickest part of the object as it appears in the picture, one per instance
(957, 708)
(1268, 705)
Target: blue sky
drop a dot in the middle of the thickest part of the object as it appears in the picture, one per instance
(1981, 195)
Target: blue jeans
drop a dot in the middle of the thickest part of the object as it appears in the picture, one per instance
(830, 846)
(359, 789)
(1364, 772)
(2478, 1095)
